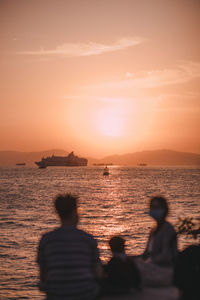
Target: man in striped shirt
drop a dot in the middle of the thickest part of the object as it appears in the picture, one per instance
(68, 257)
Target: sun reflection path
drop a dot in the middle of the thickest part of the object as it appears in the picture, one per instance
(114, 213)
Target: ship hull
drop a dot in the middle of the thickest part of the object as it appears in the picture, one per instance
(41, 165)
(62, 161)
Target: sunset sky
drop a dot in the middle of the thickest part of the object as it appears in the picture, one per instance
(100, 76)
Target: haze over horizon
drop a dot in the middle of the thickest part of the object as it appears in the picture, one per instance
(64, 152)
(100, 77)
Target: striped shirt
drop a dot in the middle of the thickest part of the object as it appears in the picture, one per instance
(67, 256)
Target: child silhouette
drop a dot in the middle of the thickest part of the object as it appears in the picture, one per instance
(121, 272)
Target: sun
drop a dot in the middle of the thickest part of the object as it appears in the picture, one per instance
(109, 122)
(96, 120)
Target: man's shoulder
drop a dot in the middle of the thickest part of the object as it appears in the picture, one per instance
(49, 234)
(68, 233)
(85, 234)
(74, 231)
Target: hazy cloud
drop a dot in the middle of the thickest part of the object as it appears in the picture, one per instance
(87, 49)
(180, 102)
(185, 72)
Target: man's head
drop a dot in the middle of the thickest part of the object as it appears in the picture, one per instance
(117, 244)
(66, 207)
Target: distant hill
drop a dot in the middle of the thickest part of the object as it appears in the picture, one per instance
(10, 158)
(154, 157)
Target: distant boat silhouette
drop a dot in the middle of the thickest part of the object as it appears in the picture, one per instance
(20, 164)
(42, 167)
(102, 164)
(106, 171)
(142, 165)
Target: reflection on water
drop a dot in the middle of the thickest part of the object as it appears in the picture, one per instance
(109, 205)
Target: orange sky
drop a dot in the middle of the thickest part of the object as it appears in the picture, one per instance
(100, 77)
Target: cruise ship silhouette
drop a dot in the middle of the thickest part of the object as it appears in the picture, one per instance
(65, 161)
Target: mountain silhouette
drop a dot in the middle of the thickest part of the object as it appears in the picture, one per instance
(153, 157)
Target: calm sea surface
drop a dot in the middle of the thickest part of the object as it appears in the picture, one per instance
(109, 205)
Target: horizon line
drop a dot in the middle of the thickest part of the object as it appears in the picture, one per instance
(91, 157)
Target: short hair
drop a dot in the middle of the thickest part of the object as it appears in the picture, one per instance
(65, 205)
(117, 244)
(162, 202)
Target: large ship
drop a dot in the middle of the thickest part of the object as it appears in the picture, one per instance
(66, 161)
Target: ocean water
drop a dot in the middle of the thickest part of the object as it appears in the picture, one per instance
(109, 205)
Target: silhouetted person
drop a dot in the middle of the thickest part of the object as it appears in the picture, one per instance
(157, 262)
(162, 243)
(68, 257)
(187, 273)
(121, 272)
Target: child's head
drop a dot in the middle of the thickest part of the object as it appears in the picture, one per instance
(117, 244)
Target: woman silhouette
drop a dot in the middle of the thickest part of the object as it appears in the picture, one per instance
(157, 262)
(161, 247)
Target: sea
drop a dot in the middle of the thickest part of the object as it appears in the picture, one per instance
(117, 204)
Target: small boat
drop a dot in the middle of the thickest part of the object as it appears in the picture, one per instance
(20, 164)
(142, 165)
(42, 167)
(106, 171)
